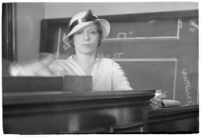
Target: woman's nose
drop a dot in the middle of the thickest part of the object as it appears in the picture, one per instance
(86, 35)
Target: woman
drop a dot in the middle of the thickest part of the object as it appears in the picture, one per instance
(86, 32)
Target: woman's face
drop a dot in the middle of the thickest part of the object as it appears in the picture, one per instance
(86, 40)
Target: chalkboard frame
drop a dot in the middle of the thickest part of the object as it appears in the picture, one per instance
(47, 24)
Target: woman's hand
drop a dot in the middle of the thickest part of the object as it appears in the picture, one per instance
(33, 68)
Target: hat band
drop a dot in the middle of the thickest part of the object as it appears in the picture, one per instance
(88, 17)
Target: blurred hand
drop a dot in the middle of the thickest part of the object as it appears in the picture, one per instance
(33, 68)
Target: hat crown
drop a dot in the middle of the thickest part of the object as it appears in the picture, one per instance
(82, 15)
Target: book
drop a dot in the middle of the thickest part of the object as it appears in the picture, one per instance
(171, 103)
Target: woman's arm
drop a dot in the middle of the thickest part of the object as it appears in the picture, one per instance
(119, 79)
(33, 68)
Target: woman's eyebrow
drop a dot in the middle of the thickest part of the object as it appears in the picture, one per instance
(92, 28)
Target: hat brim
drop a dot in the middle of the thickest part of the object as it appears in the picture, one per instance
(105, 25)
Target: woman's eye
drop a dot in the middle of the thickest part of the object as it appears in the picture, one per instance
(79, 32)
(93, 32)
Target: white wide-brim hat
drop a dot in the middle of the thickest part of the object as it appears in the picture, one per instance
(83, 19)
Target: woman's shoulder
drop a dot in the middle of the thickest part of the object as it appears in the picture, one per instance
(109, 61)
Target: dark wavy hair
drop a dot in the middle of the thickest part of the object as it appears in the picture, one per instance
(100, 32)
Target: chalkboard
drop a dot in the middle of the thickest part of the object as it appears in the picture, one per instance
(156, 50)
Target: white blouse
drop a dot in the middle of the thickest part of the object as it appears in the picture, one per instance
(106, 74)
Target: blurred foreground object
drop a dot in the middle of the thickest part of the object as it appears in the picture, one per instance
(64, 83)
(33, 68)
(160, 100)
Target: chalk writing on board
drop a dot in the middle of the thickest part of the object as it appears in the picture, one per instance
(118, 54)
(179, 26)
(187, 86)
(129, 35)
(121, 35)
(193, 26)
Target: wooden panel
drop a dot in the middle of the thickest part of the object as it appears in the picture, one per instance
(78, 112)
(174, 120)
(58, 83)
